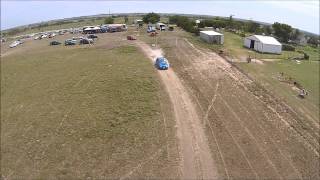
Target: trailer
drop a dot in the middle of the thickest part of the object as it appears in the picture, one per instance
(161, 26)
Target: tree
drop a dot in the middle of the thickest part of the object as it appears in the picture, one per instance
(282, 31)
(151, 18)
(295, 34)
(108, 20)
(126, 19)
(314, 40)
(267, 30)
(185, 23)
(253, 27)
(216, 23)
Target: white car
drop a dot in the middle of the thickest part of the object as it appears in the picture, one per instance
(77, 38)
(52, 35)
(14, 44)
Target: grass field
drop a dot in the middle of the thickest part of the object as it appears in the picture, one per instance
(83, 112)
(101, 112)
(306, 74)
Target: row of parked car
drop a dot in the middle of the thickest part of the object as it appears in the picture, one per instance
(50, 35)
(82, 40)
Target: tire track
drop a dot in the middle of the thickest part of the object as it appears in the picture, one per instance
(268, 138)
(256, 140)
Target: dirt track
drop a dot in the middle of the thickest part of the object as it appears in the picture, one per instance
(196, 160)
(251, 133)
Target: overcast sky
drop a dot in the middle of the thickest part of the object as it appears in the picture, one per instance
(299, 14)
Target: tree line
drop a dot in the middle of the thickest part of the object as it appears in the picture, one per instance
(283, 32)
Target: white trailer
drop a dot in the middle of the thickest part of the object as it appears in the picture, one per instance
(212, 37)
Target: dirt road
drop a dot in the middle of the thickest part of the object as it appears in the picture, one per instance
(196, 160)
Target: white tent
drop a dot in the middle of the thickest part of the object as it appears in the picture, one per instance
(212, 37)
(264, 44)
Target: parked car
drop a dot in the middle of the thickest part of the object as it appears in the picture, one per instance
(76, 38)
(69, 42)
(112, 29)
(37, 38)
(92, 36)
(15, 44)
(162, 63)
(86, 41)
(52, 35)
(52, 43)
(151, 29)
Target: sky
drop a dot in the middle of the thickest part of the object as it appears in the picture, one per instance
(303, 14)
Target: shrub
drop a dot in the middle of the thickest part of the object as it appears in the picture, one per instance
(287, 47)
(305, 55)
(242, 34)
(108, 20)
(185, 23)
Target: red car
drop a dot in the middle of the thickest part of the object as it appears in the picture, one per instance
(131, 38)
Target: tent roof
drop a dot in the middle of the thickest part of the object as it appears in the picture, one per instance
(211, 33)
(265, 39)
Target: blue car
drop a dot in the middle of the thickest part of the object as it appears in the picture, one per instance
(162, 63)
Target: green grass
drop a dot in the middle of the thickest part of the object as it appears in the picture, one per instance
(314, 53)
(80, 112)
(306, 74)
